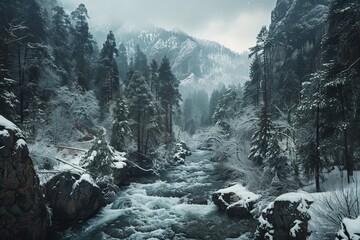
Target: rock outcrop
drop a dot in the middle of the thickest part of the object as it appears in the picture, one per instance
(285, 218)
(296, 31)
(236, 201)
(181, 152)
(72, 197)
(23, 212)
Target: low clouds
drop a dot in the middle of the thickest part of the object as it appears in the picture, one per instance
(233, 23)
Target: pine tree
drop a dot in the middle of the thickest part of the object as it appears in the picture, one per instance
(154, 78)
(35, 22)
(168, 94)
(8, 100)
(140, 64)
(342, 60)
(107, 77)
(276, 163)
(99, 160)
(252, 88)
(227, 108)
(142, 110)
(122, 61)
(260, 140)
(60, 37)
(310, 121)
(121, 126)
(82, 43)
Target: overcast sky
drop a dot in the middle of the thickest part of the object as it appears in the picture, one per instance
(233, 23)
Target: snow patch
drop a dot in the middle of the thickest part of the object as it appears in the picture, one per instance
(4, 133)
(119, 159)
(20, 144)
(350, 227)
(295, 228)
(8, 125)
(84, 177)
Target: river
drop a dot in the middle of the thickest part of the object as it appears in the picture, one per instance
(157, 208)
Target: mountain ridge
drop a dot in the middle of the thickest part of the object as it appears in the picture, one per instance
(208, 63)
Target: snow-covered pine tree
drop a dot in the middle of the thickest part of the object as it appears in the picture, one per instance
(8, 100)
(227, 108)
(141, 108)
(260, 140)
(341, 55)
(99, 160)
(121, 126)
(252, 88)
(310, 121)
(275, 162)
(169, 95)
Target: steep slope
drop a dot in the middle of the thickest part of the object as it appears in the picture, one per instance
(296, 31)
(196, 63)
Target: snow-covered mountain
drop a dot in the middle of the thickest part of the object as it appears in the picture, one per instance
(196, 63)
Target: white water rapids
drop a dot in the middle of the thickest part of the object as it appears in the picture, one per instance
(158, 208)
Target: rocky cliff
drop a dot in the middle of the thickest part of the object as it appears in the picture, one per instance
(296, 31)
(23, 213)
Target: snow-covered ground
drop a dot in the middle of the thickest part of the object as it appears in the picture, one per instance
(159, 208)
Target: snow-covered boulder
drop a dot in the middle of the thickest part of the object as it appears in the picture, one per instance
(236, 200)
(350, 229)
(23, 213)
(73, 197)
(181, 152)
(285, 218)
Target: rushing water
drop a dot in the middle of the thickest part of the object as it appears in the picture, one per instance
(158, 208)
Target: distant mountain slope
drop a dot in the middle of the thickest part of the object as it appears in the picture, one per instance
(196, 63)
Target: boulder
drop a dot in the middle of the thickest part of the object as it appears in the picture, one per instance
(122, 175)
(23, 212)
(198, 201)
(349, 230)
(236, 201)
(181, 151)
(285, 218)
(72, 197)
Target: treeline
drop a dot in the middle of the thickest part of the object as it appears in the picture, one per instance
(57, 83)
